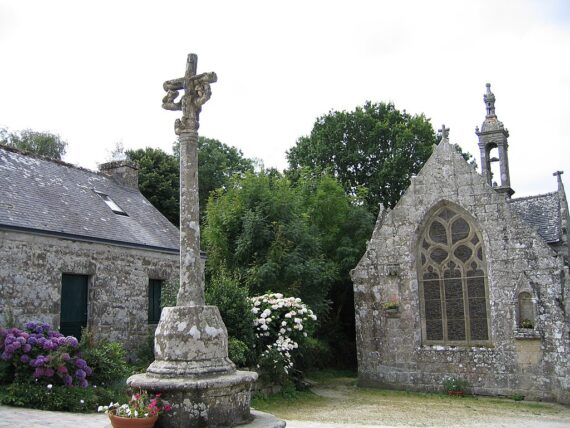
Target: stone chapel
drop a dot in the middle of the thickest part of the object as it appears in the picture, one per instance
(460, 279)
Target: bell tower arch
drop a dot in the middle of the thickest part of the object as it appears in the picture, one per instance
(493, 135)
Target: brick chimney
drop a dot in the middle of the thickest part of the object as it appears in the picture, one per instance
(125, 172)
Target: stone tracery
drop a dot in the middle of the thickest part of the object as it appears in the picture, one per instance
(452, 280)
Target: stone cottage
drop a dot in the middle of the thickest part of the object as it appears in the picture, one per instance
(460, 279)
(81, 248)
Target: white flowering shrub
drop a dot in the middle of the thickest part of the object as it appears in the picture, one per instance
(281, 324)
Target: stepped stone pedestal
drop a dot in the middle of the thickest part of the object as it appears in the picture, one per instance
(192, 371)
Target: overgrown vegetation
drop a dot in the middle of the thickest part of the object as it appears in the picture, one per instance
(42, 369)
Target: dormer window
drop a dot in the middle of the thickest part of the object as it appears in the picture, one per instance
(111, 204)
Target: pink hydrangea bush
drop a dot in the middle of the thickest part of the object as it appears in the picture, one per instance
(40, 353)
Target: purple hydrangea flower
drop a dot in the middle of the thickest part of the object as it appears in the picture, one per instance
(71, 341)
(31, 325)
(32, 340)
(25, 359)
(83, 383)
(6, 356)
(88, 370)
(80, 374)
(67, 380)
(27, 347)
(81, 363)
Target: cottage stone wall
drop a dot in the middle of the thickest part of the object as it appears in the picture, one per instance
(31, 274)
(391, 353)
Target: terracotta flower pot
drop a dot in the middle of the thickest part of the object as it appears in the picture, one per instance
(120, 422)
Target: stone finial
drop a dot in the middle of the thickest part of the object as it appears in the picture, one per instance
(444, 133)
(489, 99)
(196, 92)
(558, 175)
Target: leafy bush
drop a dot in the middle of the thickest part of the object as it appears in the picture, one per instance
(281, 324)
(40, 353)
(454, 383)
(238, 351)
(235, 309)
(107, 359)
(57, 397)
(6, 372)
(313, 354)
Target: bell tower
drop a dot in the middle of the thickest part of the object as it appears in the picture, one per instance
(493, 135)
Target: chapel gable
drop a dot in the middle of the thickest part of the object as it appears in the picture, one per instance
(459, 279)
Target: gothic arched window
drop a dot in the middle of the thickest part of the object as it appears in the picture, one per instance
(453, 281)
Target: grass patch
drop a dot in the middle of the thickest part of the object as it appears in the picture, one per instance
(336, 398)
(329, 376)
(288, 406)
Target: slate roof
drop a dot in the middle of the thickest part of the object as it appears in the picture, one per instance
(542, 212)
(37, 194)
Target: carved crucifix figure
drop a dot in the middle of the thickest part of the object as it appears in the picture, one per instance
(444, 133)
(197, 91)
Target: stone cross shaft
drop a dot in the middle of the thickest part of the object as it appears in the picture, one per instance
(197, 91)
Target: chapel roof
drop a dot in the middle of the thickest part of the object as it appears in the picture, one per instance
(542, 212)
(48, 196)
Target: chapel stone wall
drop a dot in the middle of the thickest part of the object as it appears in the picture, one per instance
(391, 352)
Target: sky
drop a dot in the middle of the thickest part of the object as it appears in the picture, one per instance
(92, 72)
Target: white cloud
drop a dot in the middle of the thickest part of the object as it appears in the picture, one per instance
(93, 71)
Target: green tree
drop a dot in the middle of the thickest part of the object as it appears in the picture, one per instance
(39, 143)
(298, 239)
(217, 163)
(375, 147)
(344, 225)
(159, 180)
(159, 173)
(257, 230)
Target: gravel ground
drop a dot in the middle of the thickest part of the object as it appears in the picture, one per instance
(341, 404)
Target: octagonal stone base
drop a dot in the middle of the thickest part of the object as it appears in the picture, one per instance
(209, 401)
(190, 341)
(193, 373)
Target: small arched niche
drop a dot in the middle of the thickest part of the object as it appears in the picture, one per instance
(526, 313)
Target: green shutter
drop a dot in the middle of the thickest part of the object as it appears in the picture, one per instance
(154, 288)
(73, 315)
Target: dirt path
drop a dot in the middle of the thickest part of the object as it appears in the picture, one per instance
(341, 404)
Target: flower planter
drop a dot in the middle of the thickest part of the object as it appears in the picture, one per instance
(119, 422)
(456, 393)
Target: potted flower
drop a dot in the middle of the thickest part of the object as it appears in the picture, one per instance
(141, 411)
(392, 305)
(455, 385)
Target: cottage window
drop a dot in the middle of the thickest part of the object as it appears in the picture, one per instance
(154, 309)
(111, 204)
(453, 281)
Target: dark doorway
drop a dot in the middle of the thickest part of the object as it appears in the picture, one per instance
(73, 304)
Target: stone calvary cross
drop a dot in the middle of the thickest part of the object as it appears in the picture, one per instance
(191, 367)
(197, 91)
